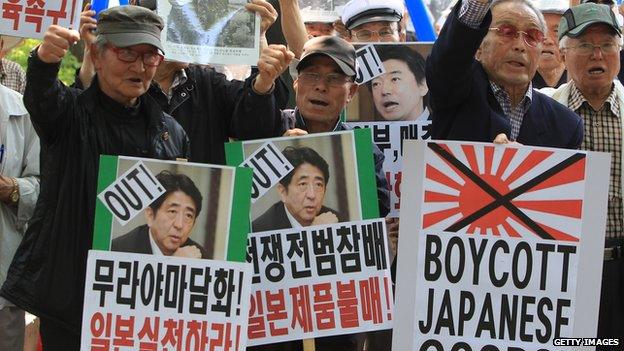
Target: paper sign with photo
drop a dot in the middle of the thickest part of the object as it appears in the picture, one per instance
(210, 32)
(324, 11)
(199, 210)
(332, 180)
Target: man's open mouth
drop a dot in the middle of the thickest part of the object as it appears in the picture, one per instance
(390, 104)
(597, 70)
(319, 102)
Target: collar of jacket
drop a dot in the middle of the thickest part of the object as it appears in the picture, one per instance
(301, 124)
(180, 94)
(156, 124)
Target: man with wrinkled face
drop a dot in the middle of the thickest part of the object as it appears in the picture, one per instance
(479, 76)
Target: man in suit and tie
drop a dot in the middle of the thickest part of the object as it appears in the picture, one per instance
(170, 220)
(301, 192)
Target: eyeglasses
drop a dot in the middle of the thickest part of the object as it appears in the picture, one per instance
(149, 58)
(384, 33)
(331, 79)
(587, 49)
(532, 37)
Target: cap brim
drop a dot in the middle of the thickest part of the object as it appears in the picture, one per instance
(576, 32)
(122, 40)
(376, 18)
(341, 64)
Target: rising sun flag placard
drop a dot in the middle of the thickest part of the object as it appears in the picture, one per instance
(488, 190)
(500, 246)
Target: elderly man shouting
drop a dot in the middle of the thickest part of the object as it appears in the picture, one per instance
(115, 117)
(493, 96)
(590, 40)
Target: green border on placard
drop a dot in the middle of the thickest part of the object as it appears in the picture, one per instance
(234, 154)
(103, 218)
(366, 173)
(239, 219)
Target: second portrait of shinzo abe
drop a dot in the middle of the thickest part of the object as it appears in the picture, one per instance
(399, 94)
(169, 221)
(322, 186)
(302, 194)
(191, 218)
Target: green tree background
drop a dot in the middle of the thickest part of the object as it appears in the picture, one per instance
(68, 65)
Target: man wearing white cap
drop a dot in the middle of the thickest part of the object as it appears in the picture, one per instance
(374, 20)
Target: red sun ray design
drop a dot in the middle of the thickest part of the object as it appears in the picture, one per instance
(488, 209)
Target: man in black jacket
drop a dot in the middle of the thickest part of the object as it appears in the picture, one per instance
(323, 88)
(114, 117)
(210, 108)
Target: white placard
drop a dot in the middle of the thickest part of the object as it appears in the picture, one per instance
(269, 166)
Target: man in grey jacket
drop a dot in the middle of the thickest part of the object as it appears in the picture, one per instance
(19, 189)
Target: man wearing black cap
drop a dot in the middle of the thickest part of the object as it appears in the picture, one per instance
(324, 86)
(114, 117)
(492, 98)
(590, 41)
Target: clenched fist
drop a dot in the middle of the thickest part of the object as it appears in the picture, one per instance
(56, 42)
(325, 218)
(274, 59)
(190, 251)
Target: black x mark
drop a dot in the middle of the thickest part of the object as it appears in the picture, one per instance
(499, 199)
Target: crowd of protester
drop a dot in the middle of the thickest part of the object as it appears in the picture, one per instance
(503, 71)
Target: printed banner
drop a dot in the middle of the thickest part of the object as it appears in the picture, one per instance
(505, 241)
(31, 18)
(319, 281)
(332, 180)
(178, 208)
(147, 302)
(210, 32)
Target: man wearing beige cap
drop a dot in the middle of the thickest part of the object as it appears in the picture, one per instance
(113, 117)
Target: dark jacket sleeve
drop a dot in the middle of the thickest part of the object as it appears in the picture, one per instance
(47, 99)
(577, 138)
(248, 115)
(449, 67)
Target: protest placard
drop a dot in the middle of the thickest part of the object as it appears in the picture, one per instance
(319, 281)
(500, 247)
(333, 180)
(30, 18)
(215, 32)
(269, 167)
(147, 302)
(393, 105)
(186, 209)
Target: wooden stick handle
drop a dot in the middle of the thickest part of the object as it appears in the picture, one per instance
(308, 345)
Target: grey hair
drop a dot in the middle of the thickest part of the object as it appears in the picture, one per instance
(565, 41)
(100, 43)
(529, 4)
